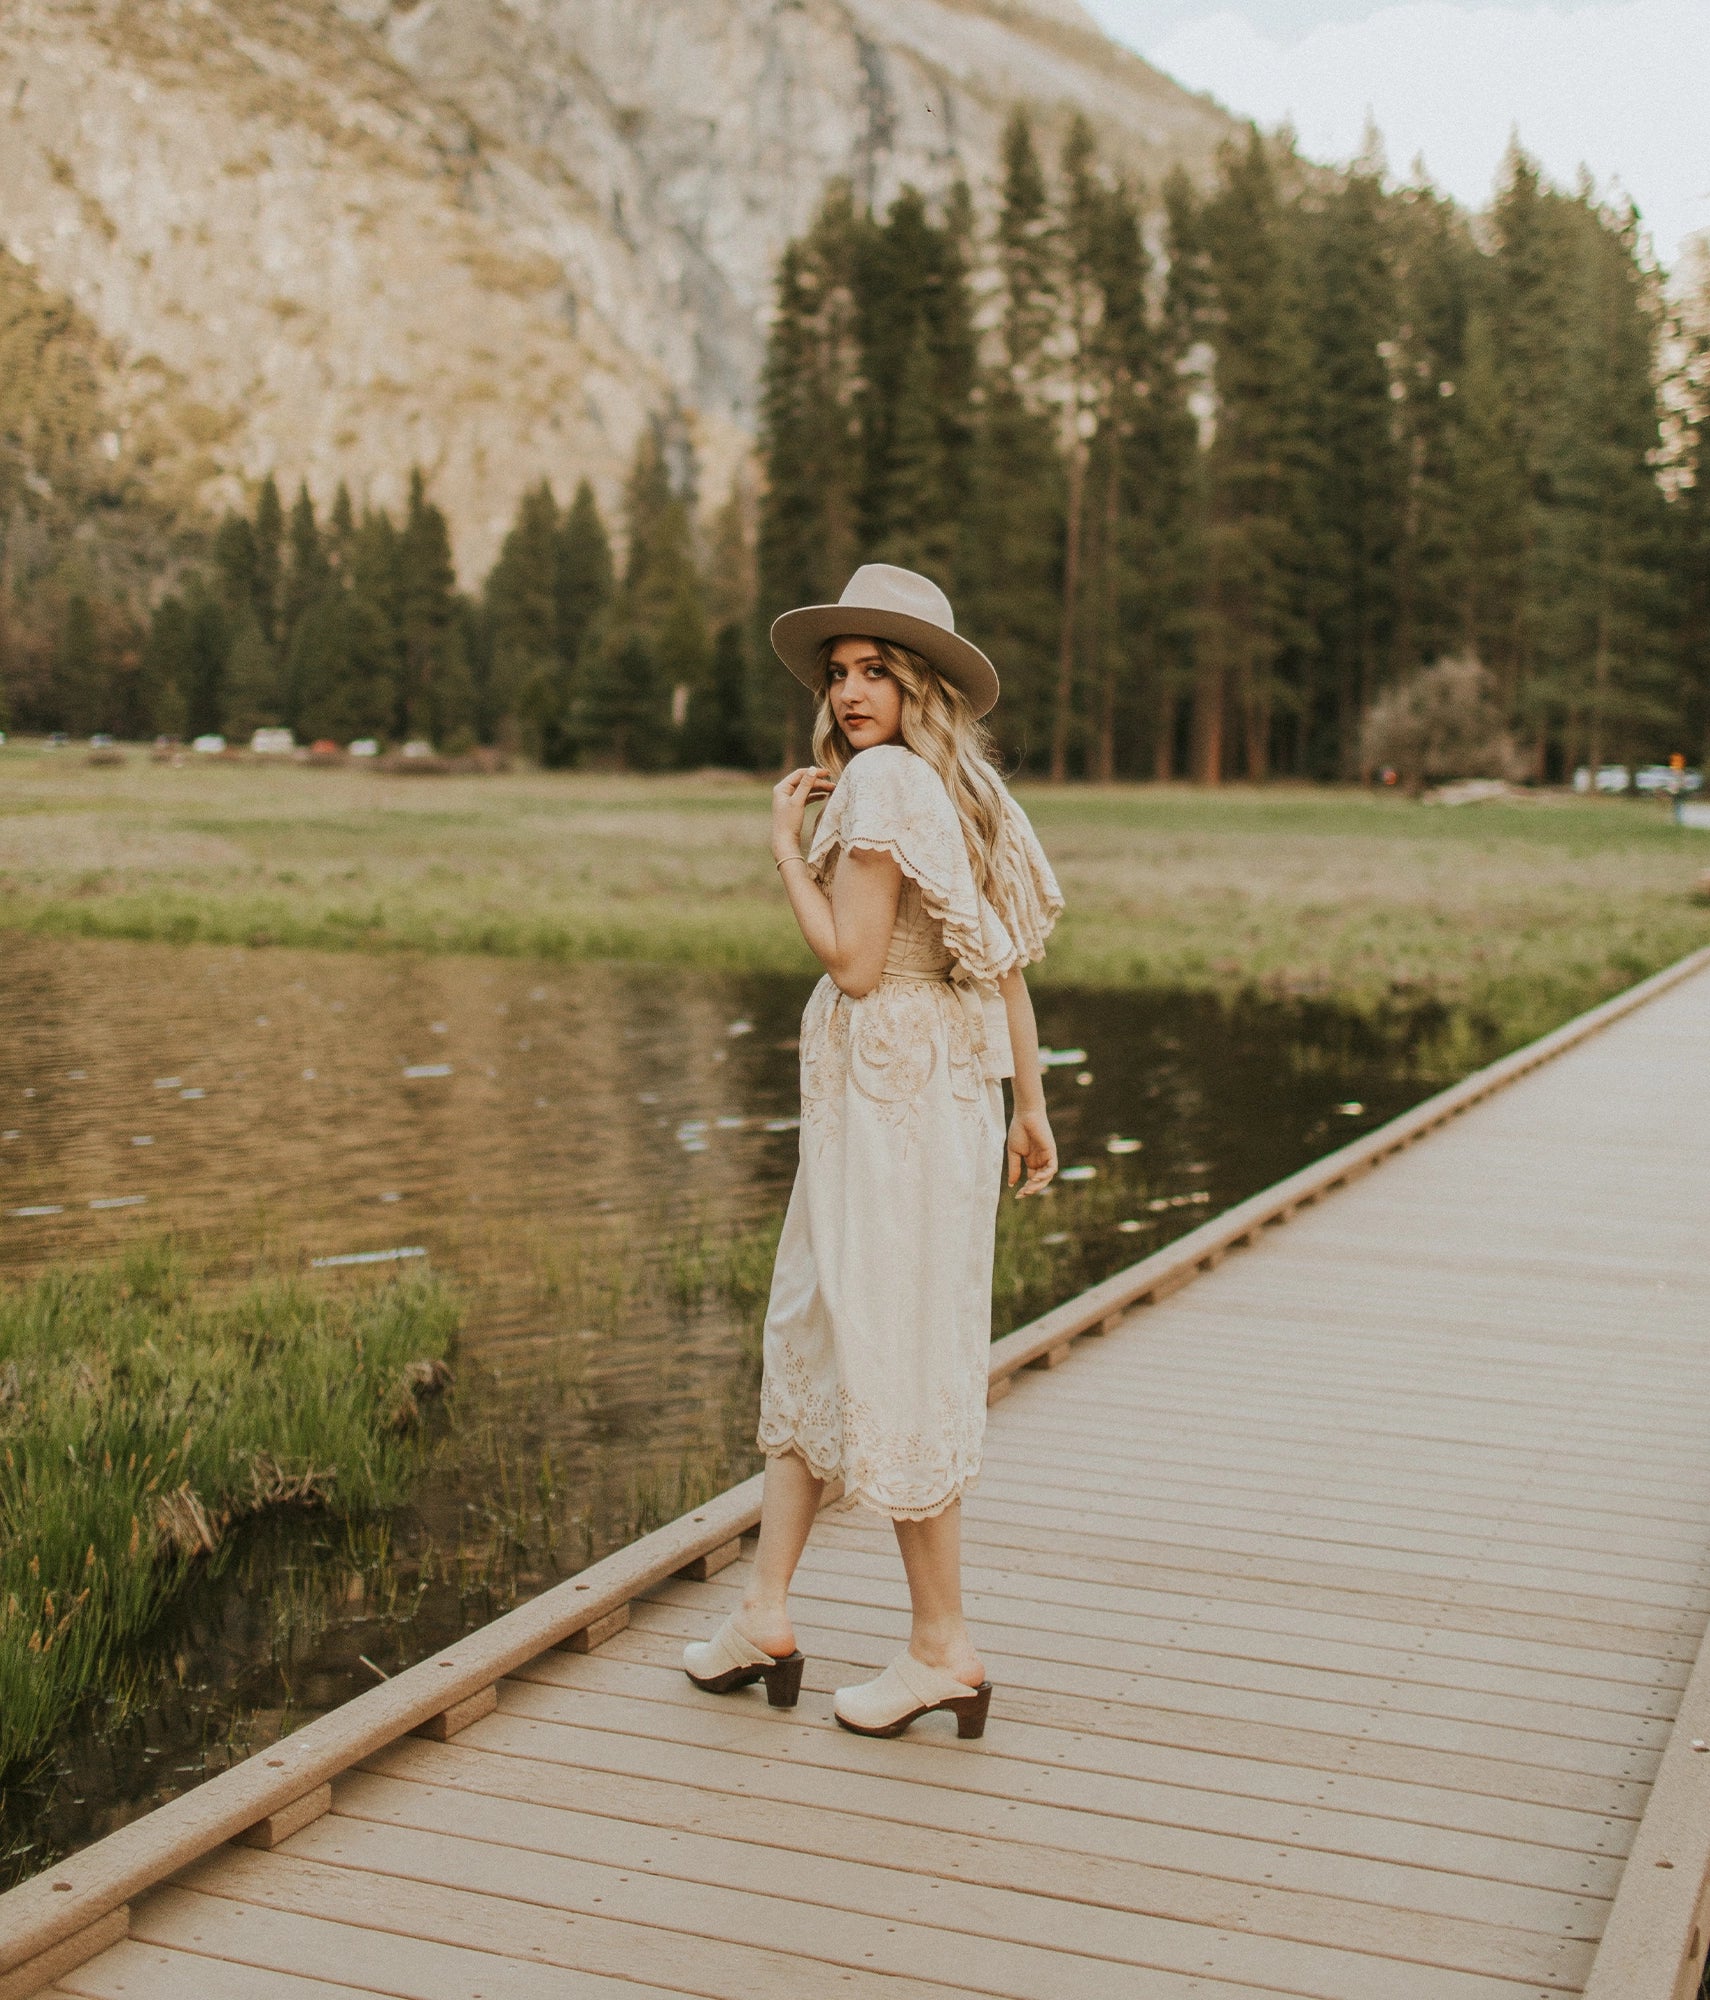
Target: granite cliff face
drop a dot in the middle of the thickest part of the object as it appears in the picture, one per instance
(335, 237)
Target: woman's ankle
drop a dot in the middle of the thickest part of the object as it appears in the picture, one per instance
(950, 1650)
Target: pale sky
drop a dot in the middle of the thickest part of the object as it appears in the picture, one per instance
(1620, 86)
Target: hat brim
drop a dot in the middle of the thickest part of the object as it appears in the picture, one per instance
(798, 635)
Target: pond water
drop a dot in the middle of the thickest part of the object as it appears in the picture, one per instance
(577, 1148)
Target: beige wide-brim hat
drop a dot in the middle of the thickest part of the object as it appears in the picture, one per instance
(881, 601)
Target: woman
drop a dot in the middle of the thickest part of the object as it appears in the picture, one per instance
(923, 895)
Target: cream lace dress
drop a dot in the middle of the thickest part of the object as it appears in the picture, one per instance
(879, 1325)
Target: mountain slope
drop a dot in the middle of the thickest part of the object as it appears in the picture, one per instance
(492, 236)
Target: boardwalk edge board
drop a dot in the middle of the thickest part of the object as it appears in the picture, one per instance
(83, 1898)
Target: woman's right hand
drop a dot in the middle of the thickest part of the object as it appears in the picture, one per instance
(791, 797)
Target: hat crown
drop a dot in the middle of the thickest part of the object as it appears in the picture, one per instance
(885, 587)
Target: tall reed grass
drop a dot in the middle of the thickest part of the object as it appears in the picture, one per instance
(137, 1424)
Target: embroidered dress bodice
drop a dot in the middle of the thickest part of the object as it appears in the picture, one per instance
(917, 949)
(879, 1325)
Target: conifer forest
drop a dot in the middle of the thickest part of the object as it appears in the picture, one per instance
(1209, 471)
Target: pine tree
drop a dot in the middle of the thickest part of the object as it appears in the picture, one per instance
(811, 448)
(1013, 524)
(269, 560)
(1600, 578)
(378, 702)
(626, 710)
(1257, 469)
(520, 602)
(251, 685)
(308, 571)
(437, 692)
(658, 604)
(165, 668)
(1355, 522)
(207, 643)
(77, 688)
(583, 583)
(1437, 280)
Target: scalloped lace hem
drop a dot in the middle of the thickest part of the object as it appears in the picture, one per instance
(779, 1445)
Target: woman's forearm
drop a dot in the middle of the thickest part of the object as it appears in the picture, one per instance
(1028, 1082)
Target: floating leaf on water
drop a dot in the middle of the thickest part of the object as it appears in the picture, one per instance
(76, 1075)
(783, 1124)
(428, 1069)
(202, 1093)
(29, 1093)
(693, 1145)
(739, 1028)
(1197, 1167)
(168, 1082)
(437, 1028)
(1352, 1109)
(367, 1257)
(1061, 1058)
(13, 1134)
(1085, 1077)
(691, 1128)
(391, 1195)
(41, 1208)
(1158, 1203)
(537, 993)
(1057, 1236)
(261, 1021)
(1123, 1145)
(308, 1077)
(731, 1124)
(1078, 1174)
(143, 1139)
(540, 1104)
(1132, 1228)
(120, 1201)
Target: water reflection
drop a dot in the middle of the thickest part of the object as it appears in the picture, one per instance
(595, 1154)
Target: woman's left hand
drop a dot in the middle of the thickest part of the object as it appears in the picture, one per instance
(1031, 1145)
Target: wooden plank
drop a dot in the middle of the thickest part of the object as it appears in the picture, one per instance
(1265, 1739)
(592, 1637)
(1031, 1823)
(1546, 1617)
(504, 1902)
(269, 1832)
(1013, 1618)
(454, 1720)
(26, 1979)
(712, 1561)
(1632, 1758)
(864, 1874)
(1658, 1933)
(1056, 1742)
(671, 1920)
(936, 1759)
(227, 1939)
(137, 1971)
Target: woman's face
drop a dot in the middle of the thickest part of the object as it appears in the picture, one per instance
(864, 695)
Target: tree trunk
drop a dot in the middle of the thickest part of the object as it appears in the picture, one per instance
(1104, 766)
(1071, 593)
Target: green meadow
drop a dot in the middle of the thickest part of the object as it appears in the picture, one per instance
(1514, 915)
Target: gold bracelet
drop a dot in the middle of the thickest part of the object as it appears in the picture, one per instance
(779, 860)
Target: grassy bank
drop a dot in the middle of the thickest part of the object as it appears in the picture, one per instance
(137, 1425)
(1522, 913)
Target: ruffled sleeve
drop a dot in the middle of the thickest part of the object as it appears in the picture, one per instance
(893, 802)
(1023, 889)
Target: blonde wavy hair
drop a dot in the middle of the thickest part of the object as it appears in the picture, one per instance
(939, 725)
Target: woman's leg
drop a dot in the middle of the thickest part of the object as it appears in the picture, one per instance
(789, 1505)
(932, 1556)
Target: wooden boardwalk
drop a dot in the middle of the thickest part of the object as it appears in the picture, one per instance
(1340, 1607)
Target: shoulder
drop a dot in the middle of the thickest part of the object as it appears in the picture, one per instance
(892, 783)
